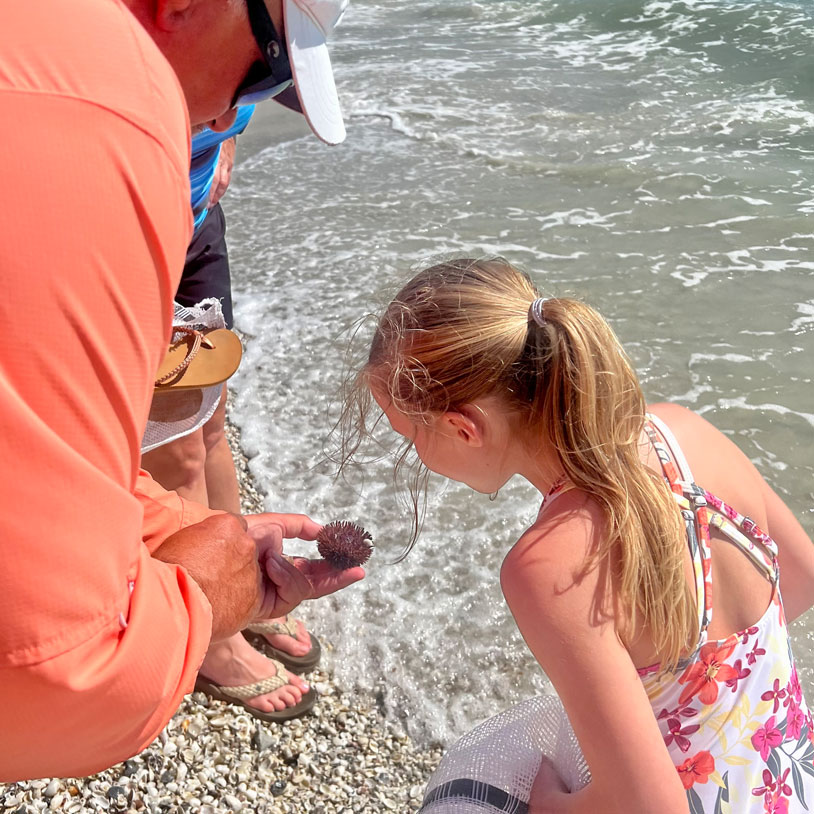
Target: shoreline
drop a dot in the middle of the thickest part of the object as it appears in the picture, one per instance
(212, 757)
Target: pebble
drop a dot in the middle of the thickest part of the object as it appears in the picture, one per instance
(213, 758)
(130, 768)
(262, 740)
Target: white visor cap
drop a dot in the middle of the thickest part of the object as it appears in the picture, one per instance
(308, 24)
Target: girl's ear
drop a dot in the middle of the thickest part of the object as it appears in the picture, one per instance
(466, 425)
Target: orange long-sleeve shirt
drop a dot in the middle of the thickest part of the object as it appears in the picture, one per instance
(98, 641)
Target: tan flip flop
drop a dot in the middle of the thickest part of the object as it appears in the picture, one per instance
(197, 359)
(254, 634)
(242, 693)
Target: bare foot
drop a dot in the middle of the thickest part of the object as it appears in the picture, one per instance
(298, 646)
(233, 662)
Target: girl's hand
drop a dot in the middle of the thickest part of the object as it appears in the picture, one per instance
(547, 790)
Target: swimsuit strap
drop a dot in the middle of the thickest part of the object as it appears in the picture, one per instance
(561, 485)
(672, 448)
(745, 533)
(741, 530)
(692, 503)
(700, 510)
(556, 488)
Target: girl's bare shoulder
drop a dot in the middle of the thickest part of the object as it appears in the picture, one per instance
(716, 461)
(554, 550)
(682, 421)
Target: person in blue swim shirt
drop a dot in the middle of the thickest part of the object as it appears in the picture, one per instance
(199, 466)
(206, 272)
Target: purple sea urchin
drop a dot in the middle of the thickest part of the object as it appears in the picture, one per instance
(344, 544)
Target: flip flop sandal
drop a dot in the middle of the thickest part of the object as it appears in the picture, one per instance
(197, 359)
(300, 664)
(239, 695)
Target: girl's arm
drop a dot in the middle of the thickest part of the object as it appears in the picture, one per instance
(560, 610)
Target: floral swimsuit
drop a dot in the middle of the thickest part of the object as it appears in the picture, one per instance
(732, 715)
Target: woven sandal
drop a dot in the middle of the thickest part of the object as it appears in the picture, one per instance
(299, 664)
(239, 695)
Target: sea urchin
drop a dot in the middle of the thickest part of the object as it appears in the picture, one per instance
(344, 544)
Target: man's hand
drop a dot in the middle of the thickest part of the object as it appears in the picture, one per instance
(221, 557)
(289, 581)
(238, 563)
(223, 172)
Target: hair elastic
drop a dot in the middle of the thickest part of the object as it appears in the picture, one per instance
(536, 310)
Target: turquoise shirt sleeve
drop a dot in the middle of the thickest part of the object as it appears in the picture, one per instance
(205, 155)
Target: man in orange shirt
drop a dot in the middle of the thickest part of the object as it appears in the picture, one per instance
(110, 588)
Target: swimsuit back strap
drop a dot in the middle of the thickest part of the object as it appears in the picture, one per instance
(741, 530)
(746, 534)
(766, 562)
(674, 449)
(691, 501)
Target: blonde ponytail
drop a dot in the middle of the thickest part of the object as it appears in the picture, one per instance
(588, 402)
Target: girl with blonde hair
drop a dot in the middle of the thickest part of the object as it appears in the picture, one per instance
(674, 705)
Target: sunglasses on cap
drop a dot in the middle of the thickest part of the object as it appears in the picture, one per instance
(271, 76)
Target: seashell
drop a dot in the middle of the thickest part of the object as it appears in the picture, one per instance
(194, 729)
(52, 788)
(232, 802)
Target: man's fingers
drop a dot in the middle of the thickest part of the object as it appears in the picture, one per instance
(289, 581)
(285, 586)
(324, 578)
(284, 526)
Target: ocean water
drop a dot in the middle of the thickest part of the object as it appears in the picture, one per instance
(654, 158)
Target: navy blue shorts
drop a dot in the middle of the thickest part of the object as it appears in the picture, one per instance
(206, 271)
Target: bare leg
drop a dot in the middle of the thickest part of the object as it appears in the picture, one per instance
(179, 466)
(200, 467)
(221, 478)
